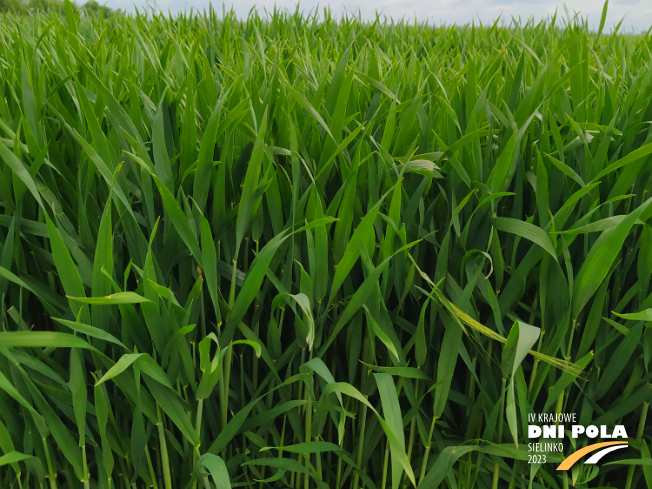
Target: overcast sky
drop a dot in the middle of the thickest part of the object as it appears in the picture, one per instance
(637, 13)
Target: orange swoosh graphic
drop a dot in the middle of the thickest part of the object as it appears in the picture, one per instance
(571, 459)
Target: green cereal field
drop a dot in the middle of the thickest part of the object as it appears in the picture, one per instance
(299, 251)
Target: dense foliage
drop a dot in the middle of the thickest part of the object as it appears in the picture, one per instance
(91, 7)
(302, 252)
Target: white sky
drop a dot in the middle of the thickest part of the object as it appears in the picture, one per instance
(637, 13)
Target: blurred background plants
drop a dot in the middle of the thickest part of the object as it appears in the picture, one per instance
(286, 251)
(57, 6)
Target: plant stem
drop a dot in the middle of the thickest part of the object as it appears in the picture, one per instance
(363, 422)
(152, 474)
(195, 452)
(51, 475)
(424, 464)
(308, 415)
(499, 438)
(87, 476)
(224, 384)
(165, 462)
(639, 438)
